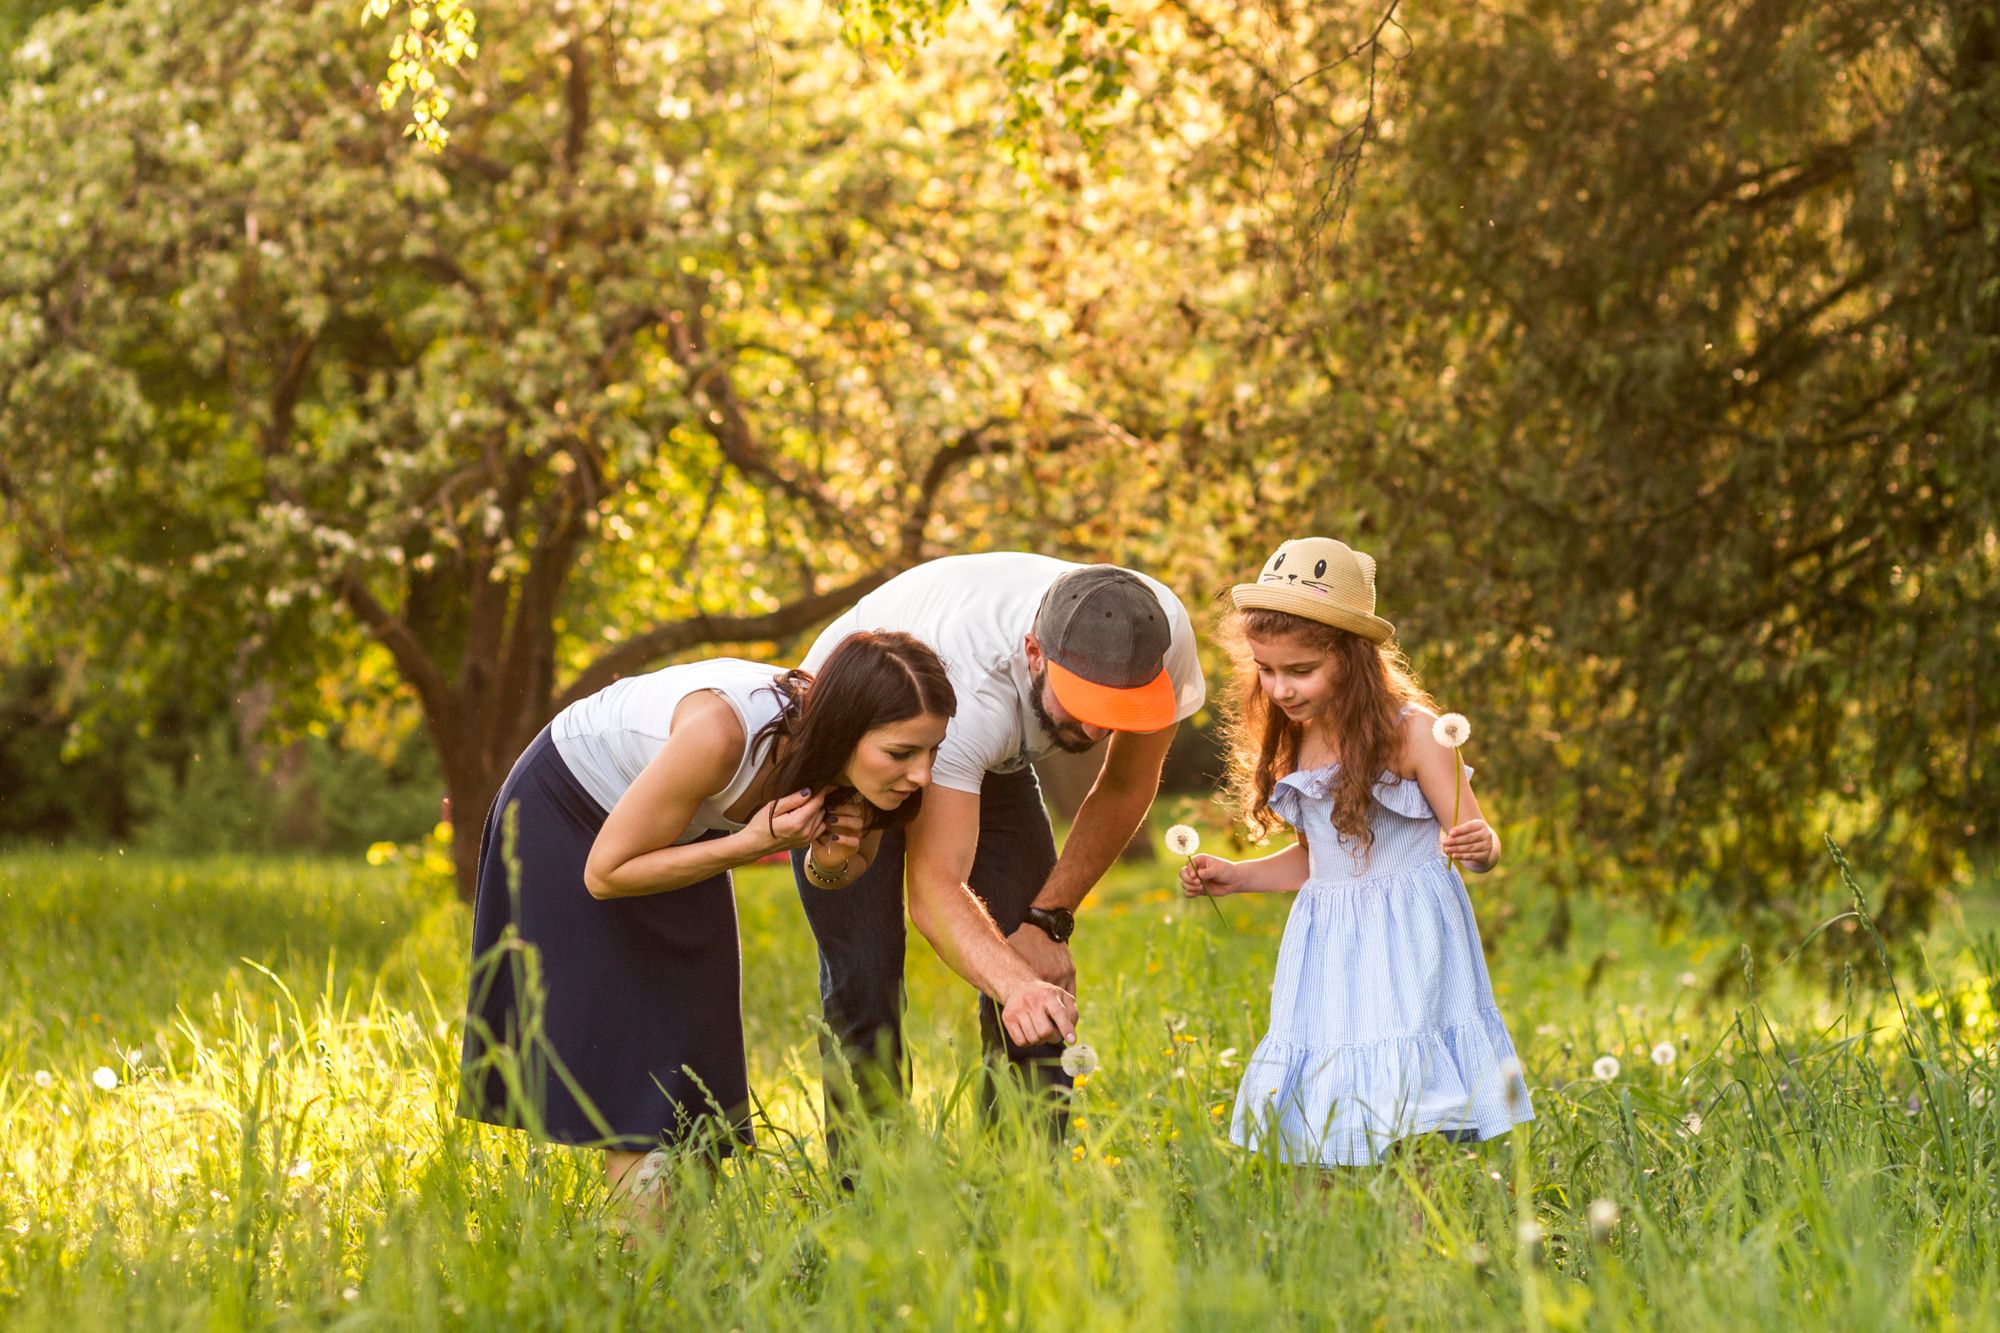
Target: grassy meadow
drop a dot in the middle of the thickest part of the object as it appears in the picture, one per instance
(225, 1087)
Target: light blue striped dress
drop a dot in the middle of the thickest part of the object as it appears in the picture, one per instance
(1382, 1015)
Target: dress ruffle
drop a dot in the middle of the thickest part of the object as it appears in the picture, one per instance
(1344, 1105)
(1394, 793)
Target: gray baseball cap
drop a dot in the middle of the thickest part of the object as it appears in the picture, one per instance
(1105, 636)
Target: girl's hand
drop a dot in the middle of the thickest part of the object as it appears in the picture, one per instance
(793, 820)
(839, 837)
(1210, 876)
(1472, 844)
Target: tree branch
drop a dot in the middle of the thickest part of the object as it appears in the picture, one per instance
(701, 628)
(393, 633)
(729, 425)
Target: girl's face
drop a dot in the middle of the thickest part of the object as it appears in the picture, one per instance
(1298, 678)
(893, 761)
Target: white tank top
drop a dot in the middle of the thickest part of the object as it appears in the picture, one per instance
(608, 738)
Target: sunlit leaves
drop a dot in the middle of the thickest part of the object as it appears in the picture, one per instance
(439, 36)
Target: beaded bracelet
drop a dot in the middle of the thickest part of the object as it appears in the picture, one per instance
(821, 877)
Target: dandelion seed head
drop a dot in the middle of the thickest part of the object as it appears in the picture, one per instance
(1529, 1233)
(1079, 1060)
(1603, 1216)
(1182, 840)
(648, 1176)
(105, 1077)
(1452, 730)
(44, 1079)
(1605, 1068)
(1664, 1053)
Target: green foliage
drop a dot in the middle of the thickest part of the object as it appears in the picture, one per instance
(281, 1148)
(1650, 347)
(312, 795)
(1655, 360)
(662, 336)
(47, 795)
(1062, 60)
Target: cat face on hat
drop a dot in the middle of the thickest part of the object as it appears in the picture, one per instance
(1320, 579)
(1304, 562)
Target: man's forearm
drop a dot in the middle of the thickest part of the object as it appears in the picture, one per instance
(958, 928)
(1104, 825)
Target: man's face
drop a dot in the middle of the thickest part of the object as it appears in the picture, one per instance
(1068, 733)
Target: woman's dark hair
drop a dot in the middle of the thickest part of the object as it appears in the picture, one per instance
(871, 679)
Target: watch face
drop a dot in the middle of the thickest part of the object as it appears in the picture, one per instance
(1056, 922)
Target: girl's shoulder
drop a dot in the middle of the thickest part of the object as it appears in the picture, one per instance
(1414, 724)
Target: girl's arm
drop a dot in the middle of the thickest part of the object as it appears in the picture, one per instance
(1438, 773)
(1280, 872)
(634, 852)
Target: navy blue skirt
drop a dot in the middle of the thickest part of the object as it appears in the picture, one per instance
(620, 1023)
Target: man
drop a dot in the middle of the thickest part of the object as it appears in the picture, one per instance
(1043, 654)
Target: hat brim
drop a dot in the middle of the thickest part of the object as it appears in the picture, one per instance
(1147, 707)
(1291, 598)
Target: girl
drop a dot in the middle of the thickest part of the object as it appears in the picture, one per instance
(1382, 1017)
(628, 813)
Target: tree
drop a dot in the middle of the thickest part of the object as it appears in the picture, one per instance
(1657, 361)
(684, 341)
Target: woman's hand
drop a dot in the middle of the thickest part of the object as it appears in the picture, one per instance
(1473, 845)
(1210, 876)
(793, 820)
(839, 838)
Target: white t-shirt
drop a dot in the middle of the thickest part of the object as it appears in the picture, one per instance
(608, 738)
(976, 611)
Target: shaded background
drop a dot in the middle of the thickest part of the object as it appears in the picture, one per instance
(1651, 348)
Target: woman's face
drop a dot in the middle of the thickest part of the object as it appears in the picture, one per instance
(893, 761)
(1299, 678)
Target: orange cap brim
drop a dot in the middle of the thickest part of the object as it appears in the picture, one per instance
(1147, 707)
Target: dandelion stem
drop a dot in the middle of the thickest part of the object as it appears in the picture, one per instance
(1457, 784)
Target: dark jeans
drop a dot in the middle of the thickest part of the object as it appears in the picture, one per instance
(861, 935)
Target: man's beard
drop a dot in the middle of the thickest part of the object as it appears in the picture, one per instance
(1074, 745)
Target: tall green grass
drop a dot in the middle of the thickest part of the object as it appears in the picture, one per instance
(279, 1148)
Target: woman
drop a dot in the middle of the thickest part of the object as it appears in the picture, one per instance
(609, 849)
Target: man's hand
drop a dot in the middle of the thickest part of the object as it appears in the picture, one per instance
(1051, 961)
(1038, 1013)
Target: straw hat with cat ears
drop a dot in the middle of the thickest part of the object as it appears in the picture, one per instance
(1321, 579)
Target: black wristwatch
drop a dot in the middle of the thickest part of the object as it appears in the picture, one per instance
(1055, 922)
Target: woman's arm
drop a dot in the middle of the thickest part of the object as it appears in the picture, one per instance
(634, 853)
(1438, 773)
